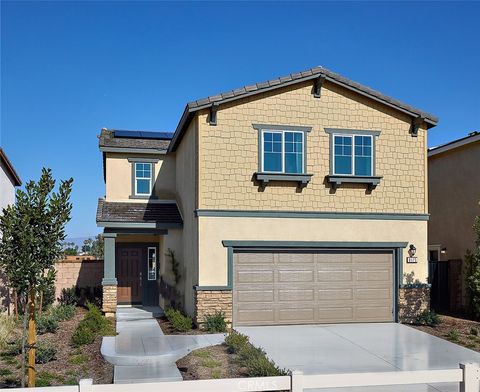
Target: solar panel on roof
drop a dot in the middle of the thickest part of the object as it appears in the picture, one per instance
(143, 135)
(127, 134)
(157, 135)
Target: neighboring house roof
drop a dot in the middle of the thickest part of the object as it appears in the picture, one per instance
(471, 138)
(113, 140)
(162, 214)
(9, 168)
(295, 78)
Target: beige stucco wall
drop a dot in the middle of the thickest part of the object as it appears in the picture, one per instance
(212, 230)
(175, 179)
(228, 154)
(119, 176)
(454, 182)
(186, 188)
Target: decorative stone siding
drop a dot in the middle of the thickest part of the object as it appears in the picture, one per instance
(109, 300)
(413, 301)
(228, 154)
(81, 273)
(209, 302)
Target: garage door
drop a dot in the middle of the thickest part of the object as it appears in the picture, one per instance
(301, 287)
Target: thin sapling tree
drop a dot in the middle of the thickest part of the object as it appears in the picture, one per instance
(33, 230)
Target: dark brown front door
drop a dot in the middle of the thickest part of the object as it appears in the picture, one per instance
(129, 266)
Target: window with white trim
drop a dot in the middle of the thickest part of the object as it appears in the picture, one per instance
(353, 155)
(152, 263)
(143, 178)
(283, 151)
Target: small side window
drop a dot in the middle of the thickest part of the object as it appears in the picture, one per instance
(152, 264)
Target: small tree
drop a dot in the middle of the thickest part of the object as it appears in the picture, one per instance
(70, 249)
(97, 247)
(87, 246)
(32, 233)
(472, 272)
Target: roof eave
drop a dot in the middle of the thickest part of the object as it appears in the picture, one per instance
(133, 150)
(430, 120)
(11, 171)
(453, 145)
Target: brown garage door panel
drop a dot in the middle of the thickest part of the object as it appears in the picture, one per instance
(299, 287)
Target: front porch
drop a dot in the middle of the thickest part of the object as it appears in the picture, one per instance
(136, 238)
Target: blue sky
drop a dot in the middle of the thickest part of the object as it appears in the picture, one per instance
(70, 68)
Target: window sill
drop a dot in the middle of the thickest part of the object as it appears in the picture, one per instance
(370, 181)
(301, 179)
(144, 197)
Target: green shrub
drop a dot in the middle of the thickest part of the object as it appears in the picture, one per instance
(46, 323)
(13, 348)
(5, 372)
(86, 295)
(428, 317)
(78, 359)
(257, 363)
(44, 353)
(453, 335)
(82, 336)
(96, 322)
(179, 321)
(474, 331)
(214, 323)
(62, 312)
(235, 341)
(8, 324)
(68, 296)
(93, 324)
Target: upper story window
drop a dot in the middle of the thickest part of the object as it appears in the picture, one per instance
(353, 155)
(143, 178)
(283, 151)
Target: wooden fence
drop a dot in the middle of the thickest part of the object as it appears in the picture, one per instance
(467, 375)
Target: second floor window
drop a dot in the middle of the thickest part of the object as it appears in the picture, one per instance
(143, 179)
(282, 152)
(353, 155)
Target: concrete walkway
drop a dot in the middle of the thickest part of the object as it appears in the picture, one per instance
(142, 353)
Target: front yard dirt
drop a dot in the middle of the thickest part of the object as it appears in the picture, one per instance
(460, 331)
(71, 364)
(210, 362)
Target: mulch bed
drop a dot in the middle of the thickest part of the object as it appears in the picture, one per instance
(210, 363)
(463, 328)
(167, 328)
(71, 364)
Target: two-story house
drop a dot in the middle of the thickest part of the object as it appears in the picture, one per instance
(302, 199)
(454, 197)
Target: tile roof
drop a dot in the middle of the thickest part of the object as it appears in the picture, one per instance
(107, 139)
(306, 75)
(294, 78)
(155, 212)
(9, 168)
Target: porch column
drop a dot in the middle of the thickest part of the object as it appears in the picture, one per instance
(109, 281)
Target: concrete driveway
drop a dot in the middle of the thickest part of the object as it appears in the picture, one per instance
(349, 348)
